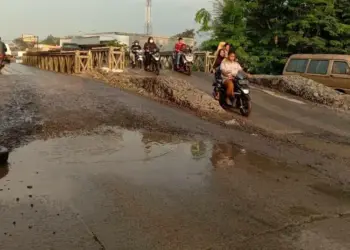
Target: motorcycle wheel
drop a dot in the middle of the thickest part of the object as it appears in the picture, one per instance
(139, 64)
(246, 107)
(4, 155)
(222, 100)
(156, 69)
(189, 70)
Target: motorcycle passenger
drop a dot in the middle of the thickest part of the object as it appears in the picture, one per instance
(134, 48)
(3, 51)
(229, 69)
(179, 46)
(227, 48)
(216, 67)
(149, 47)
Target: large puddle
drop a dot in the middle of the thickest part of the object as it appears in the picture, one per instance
(152, 187)
(140, 157)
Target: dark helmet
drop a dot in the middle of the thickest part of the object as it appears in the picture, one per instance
(136, 42)
(150, 38)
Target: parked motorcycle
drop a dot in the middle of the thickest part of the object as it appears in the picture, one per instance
(138, 59)
(241, 99)
(186, 61)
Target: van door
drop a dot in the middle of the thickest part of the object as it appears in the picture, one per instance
(318, 70)
(340, 75)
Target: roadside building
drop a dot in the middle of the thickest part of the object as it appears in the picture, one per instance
(167, 43)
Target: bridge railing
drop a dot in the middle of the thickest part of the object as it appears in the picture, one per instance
(203, 60)
(71, 62)
(114, 58)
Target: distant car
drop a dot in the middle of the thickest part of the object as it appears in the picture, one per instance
(19, 59)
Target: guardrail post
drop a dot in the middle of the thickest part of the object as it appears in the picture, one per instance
(89, 62)
(123, 58)
(206, 69)
(77, 62)
(110, 58)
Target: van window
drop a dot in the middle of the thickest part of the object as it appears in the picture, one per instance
(319, 67)
(297, 65)
(340, 68)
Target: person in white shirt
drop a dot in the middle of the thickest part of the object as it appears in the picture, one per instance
(229, 69)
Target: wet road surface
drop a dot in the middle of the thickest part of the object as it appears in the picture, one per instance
(304, 123)
(137, 190)
(155, 178)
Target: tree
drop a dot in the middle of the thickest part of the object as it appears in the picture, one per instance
(265, 32)
(115, 43)
(204, 18)
(51, 40)
(188, 33)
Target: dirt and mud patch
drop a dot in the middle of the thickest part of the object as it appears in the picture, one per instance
(19, 115)
(170, 90)
(305, 88)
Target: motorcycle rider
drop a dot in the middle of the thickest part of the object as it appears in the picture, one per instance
(229, 69)
(3, 51)
(134, 48)
(149, 47)
(179, 46)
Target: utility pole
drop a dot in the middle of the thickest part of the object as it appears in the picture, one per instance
(148, 17)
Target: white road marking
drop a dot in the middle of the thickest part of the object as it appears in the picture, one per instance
(279, 96)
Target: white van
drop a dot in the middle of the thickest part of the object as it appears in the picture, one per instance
(8, 52)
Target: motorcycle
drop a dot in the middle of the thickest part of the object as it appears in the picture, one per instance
(138, 59)
(186, 61)
(241, 99)
(155, 62)
(4, 61)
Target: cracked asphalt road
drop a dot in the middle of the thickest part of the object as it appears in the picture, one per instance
(93, 167)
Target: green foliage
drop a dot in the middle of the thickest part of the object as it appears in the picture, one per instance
(51, 40)
(203, 17)
(265, 32)
(115, 43)
(188, 33)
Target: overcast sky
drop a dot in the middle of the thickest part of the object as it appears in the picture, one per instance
(66, 17)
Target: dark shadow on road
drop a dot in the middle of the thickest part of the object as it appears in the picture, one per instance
(4, 170)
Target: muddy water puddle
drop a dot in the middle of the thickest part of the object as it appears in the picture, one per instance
(150, 183)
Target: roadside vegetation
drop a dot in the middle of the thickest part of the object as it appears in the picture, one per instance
(264, 32)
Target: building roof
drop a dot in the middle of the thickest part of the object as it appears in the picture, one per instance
(132, 34)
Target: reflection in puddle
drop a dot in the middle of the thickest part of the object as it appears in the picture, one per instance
(141, 158)
(223, 155)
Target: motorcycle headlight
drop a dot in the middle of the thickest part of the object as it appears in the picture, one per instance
(189, 57)
(245, 91)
